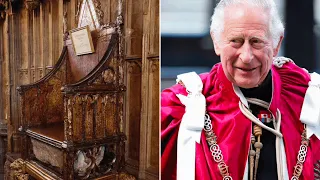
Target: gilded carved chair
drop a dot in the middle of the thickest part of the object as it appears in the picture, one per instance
(71, 119)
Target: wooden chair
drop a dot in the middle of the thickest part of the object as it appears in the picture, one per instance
(71, 119)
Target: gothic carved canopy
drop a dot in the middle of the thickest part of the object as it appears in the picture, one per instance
(89, 13)
(32, 4)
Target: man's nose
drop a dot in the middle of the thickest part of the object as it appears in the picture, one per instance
(246, 55)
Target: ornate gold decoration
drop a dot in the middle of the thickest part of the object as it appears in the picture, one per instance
(119, 23)
(99, 12)
(121, 99)
(218, 157)
(17, 170)
(119, 16)
(65, 25)
(215, 148)
(126, 176)
(106, 77)
(302, 154)
(32, 4)
(78, 12)
(69, 107)
(67, 115)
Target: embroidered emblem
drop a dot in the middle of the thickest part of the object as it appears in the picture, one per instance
(265, 116)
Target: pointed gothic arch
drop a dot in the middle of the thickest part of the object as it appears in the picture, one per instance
(90, 14)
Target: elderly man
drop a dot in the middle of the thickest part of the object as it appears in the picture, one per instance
(253, 116)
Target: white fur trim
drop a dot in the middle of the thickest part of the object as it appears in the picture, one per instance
(280, 61)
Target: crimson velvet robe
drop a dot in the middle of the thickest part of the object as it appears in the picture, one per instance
(232, 128)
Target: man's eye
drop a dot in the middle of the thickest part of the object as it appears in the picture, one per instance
(255, 41)
(236, 41)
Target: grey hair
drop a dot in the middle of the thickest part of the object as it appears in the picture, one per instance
(276, 28)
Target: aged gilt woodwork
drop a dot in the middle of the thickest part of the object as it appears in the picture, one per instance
(81, 97)
(32, 4)
(71, 118)
(17, 170)
(62, 114)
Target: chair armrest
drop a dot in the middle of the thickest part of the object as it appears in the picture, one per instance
(42, 102)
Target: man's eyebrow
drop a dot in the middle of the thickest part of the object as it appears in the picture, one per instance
(258, 37)
(235, 36)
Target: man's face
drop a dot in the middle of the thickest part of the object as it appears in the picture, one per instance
(245, 46)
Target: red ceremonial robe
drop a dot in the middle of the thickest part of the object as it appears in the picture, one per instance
(232, 128)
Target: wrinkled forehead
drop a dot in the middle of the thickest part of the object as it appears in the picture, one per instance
(247, 19)
(246, 14)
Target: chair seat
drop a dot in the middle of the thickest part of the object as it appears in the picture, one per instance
(53, 131)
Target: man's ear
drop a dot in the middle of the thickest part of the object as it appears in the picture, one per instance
(276, 50)
(215, 45)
